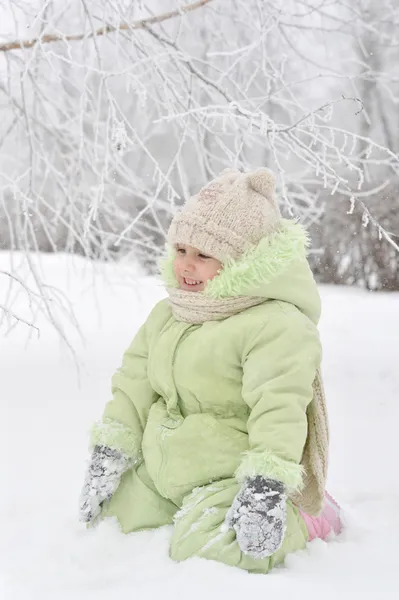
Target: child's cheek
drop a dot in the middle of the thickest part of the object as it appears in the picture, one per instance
(176, 267)
(212, 274)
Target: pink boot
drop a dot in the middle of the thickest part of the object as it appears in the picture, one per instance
(327, 523)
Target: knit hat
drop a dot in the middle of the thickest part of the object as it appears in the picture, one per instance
(230, 215)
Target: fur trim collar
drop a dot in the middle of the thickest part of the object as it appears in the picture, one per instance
(256, 267)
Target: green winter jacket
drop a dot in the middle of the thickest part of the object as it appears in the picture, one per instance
(199, 404)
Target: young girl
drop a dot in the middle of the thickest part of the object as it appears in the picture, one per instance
(217, 422)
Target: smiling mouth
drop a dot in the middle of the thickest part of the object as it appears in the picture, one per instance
(191, 282)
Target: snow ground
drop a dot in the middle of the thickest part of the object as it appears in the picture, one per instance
(46, 553)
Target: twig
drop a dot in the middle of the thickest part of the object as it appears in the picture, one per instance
(9, 313)
(105, 30)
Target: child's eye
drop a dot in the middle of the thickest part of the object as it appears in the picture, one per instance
(203, 256)
(180, 250)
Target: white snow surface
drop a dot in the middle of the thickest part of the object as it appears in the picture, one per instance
(46, 414)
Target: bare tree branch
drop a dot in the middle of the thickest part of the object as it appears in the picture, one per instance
(104, 30)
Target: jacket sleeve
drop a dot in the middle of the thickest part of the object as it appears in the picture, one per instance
(279, 368)
(125, 416)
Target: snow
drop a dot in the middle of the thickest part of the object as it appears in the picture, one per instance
(46, 413)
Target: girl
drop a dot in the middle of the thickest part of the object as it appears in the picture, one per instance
(217, 422)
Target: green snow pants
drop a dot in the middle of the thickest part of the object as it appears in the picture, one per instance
(198, 517)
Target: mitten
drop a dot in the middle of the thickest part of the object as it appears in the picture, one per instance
(258, 516)
(101, 481)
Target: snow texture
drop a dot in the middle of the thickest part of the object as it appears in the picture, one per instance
(258, 516)
(102, 478)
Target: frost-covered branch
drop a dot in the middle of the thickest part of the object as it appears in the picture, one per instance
(104, 30)
(103, 137)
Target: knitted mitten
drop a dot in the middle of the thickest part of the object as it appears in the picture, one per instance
(101, 481)
(258, 516)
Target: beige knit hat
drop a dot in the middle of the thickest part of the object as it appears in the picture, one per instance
(229, 215)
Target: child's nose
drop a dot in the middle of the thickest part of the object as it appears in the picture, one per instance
(189, 265)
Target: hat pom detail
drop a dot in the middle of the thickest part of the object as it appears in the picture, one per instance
(262, 181)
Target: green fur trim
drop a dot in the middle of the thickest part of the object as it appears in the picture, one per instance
(166, 268)
(114, 435)
(260, 265)
(268, 465)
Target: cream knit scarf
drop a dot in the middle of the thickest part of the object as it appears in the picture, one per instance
(195, 307)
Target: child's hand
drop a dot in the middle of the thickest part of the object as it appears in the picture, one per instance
(258, 516)
(101, 481)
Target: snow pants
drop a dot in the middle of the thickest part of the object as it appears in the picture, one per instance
(198, 517)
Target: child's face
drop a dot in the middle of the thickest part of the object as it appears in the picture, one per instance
(193, 269)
